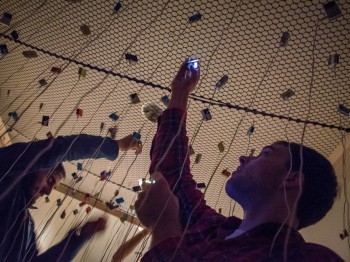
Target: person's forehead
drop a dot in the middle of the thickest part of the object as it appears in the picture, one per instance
(58, 174)
(58, 177)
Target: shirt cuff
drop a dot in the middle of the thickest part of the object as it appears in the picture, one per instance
(110, 148)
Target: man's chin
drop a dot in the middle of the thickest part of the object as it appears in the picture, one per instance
(228, 188)
(232, 187)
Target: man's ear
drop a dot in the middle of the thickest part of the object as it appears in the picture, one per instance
(294, 179)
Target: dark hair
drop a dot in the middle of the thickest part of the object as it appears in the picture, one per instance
(59, 169)
(320, 183)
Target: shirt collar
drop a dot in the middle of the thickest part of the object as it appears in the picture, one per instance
(267, 230)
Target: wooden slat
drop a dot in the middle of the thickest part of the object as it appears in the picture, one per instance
(80, 196)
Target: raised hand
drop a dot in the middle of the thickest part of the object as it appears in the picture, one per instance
(158, 209)
(186, 79)
(183, 85)
(130, 143)
(93, 227)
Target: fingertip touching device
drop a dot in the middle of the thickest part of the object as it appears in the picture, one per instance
(192, 63)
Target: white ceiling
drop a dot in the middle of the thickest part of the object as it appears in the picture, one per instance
(237, 38)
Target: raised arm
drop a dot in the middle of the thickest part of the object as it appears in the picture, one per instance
(22, 159)
(33, 156)
(167, 214)
(169, 153)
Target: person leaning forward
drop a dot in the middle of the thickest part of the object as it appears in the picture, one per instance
(31, 170)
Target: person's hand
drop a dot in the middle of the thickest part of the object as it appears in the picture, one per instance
(93, 227)
(156, 202)
(186, 79)
(158, 209)
(130, 143)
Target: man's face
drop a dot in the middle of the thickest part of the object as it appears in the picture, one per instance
(41, 183)
(258, 178)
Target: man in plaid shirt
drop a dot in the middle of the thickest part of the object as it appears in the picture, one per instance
(267, 186)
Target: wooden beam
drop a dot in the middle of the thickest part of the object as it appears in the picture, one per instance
(80, 196)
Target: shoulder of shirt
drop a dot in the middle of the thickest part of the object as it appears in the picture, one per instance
(319, 251)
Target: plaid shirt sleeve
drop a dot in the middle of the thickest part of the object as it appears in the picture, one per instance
(169, 155)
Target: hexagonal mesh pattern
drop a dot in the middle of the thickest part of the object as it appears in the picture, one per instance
(238, 38)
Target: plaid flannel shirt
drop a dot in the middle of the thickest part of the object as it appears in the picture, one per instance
(204, 239)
